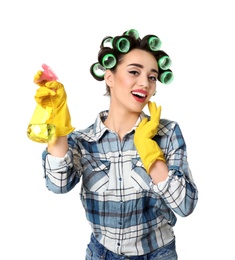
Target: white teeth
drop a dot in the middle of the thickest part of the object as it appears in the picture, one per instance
(138, 94)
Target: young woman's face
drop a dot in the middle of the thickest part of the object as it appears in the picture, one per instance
(134, 81)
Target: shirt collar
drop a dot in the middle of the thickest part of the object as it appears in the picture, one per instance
(100, 128)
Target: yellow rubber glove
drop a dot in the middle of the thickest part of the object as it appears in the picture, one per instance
(37, 79)
(147, 148)
(51, 117)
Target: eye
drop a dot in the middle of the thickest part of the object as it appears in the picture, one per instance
(134, 72)
(153, 78)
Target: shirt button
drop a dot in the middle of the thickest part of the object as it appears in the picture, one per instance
(118, 244)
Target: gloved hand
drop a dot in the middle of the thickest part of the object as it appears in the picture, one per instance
(54, 97)
(147, 148)
(51, 117)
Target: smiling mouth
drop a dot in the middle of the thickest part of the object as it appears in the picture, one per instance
(138, 94)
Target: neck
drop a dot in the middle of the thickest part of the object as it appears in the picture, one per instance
(121, 121)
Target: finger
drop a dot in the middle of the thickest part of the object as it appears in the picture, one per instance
(155, 112)
(53, 85)
(158, 114)
(43, 92)
(37, 76)
(152, 107)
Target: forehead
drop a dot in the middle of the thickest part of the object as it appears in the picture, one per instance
(140, 57)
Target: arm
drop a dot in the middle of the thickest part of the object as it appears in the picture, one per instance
(61, 164)
(178, 189)
(165, 159)
(58, 147)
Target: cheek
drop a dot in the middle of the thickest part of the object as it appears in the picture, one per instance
(125, 83)
(153, 89)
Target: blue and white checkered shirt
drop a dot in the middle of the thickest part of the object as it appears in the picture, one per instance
(127, 212)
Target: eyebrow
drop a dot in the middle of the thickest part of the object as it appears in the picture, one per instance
(141, 66)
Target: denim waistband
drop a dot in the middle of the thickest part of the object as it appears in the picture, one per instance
(104, 253)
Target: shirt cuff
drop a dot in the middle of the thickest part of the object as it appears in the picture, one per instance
(161, 187)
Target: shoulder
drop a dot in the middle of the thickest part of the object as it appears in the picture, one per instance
(86, 133)
(169, 133)
(93, 132)
(168, 126)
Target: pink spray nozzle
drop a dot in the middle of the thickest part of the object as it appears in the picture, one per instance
(48, 74)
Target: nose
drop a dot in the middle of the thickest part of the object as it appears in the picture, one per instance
(143, 81)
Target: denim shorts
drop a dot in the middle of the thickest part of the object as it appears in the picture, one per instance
(96, 251)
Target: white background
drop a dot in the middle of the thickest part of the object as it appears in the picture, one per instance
(199, 37)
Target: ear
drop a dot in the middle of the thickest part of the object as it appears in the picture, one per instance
(108, 76)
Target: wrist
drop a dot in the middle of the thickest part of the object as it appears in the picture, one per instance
(158, 171)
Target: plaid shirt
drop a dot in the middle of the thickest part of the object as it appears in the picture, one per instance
(127, 212)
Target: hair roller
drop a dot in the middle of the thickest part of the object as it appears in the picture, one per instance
(133, 33)
(97, 71)
(107, 42)
(165, 76)
(163, 60)
(107, 58)
(122, 43)
(151, 42)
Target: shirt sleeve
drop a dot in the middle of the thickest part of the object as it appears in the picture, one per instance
(61, 174)
(178, 190)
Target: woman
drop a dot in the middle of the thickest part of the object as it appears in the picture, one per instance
(133, 167)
